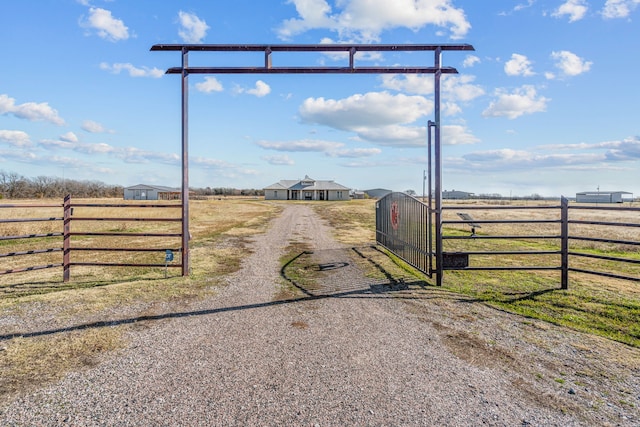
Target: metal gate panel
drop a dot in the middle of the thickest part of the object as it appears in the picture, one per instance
(402, 228)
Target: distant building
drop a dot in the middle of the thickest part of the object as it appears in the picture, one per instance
(601, 196)
(456, 195)
(358, 194)
(152, 192)
(377, 193)
(306, 189)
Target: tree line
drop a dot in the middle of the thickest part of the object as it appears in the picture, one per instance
(15, 186)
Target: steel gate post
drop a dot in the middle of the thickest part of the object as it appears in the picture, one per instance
(564, 241)
(438, 167)
(185, 163)
(66, 239)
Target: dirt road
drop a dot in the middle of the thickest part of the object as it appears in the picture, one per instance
(346, 350)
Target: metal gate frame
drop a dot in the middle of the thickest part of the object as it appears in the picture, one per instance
(349, 50)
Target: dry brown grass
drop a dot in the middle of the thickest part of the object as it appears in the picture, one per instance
(37, 301)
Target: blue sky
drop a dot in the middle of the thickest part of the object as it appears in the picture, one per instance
(548, 103)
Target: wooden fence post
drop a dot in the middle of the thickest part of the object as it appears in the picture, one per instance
(66, 271)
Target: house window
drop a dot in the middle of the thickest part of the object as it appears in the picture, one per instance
(339, 194)
(275, 194)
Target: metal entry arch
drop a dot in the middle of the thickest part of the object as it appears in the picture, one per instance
(350, 51)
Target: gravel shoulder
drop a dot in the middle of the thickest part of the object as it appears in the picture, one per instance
(354, 350)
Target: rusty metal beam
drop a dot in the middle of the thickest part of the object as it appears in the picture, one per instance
(310, 47)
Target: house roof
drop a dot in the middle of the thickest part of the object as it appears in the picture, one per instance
(160, 188)
(306, 184)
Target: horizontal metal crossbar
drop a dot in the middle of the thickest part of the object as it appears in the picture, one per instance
(610, 275)
(102, 205)
(30, 219)
(491, 208)
(30, 236)
(608, 258)
(504, 221)
(35, 251)
(311, 70)
(127, 219)
(127, 234)
(309, 47)
(112, 264)
(595, 239)
(59, 205)
(38, 267)
(124, 249)
(604, 208)
(614, 224)
(507, 268)
(478, 237)
(510, 253)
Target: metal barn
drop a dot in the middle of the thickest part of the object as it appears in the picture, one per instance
(601, 196)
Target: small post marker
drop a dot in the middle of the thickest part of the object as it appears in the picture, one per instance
(168, 257)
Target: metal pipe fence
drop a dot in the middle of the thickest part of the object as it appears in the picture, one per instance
(75, 241)
(566, 237)
(604, 244)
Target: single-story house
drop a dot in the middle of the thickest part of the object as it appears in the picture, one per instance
(152, 192)
(601, 196)
(306, 189)
(456, 195)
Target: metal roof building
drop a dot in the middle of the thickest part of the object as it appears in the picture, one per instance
(601, 196)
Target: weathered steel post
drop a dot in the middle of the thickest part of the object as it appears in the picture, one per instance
(438, 168)
(185, 162)
(66, 239)
(564, 244)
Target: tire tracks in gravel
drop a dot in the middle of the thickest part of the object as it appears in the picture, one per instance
(248, 359)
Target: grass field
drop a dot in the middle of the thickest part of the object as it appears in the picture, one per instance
(593, 304)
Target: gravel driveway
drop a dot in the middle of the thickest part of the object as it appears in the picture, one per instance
(351, 351)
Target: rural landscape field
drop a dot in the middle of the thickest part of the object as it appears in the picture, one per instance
(51, 328)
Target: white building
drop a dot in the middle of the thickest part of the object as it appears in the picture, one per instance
(456, 195)
(601, 196)
(151, 192)
(306, 189)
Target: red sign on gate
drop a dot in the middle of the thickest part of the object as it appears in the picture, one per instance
(395, 215)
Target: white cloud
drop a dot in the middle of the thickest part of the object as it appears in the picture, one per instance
(69, 137)
(279, 160)
(395, 135)
(518, 65)
(355, 152)
(304, 145)
(132, 70)
(522, 101)
(34, 112)
(619, 8)
(460, 88)
(457, 135)
(261, 89)
(470, 61)
(107, 27)
(210, 84)
(570, 64)
(193, 29)
(94, 127)
(365, 20)
(575, 9)
(373, 109)
(17, 138)
(410, 83)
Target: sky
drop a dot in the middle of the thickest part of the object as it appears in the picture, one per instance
(548, 103)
